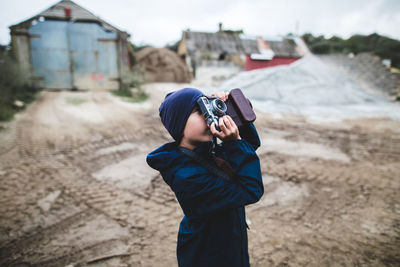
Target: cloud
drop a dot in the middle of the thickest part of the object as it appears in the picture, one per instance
(158, 22)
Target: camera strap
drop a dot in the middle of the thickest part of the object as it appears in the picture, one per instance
(206, 164)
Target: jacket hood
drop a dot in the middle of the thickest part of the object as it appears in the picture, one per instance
(162, 157)
(166, 156)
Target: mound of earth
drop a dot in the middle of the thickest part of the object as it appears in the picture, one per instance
(162, 65)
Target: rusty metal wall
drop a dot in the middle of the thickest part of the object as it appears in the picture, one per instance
(49, 54)
(74, 55)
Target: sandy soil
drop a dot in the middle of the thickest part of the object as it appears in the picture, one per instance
(76, 190)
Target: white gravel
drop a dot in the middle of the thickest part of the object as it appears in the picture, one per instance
(311, 88)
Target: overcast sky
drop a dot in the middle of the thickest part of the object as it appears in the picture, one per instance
(158, 22)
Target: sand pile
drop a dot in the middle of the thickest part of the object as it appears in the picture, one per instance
(162, 65)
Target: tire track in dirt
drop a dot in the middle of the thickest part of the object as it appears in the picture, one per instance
(100, 198)
(325, 211)
(131, 209)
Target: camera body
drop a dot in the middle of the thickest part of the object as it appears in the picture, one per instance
(236, 106)
(212, 109)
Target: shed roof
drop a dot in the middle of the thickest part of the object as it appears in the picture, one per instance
(57, 12)
(284, 48)
(220, 42)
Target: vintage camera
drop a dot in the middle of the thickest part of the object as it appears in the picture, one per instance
(212, 109)
(237, 106)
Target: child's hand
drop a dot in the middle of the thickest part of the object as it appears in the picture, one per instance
(222, 95)
(229, 130)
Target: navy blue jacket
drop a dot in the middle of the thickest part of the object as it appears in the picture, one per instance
(213, 231)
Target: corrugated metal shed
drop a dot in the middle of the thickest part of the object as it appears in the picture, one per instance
(67, 47)
(220, 42)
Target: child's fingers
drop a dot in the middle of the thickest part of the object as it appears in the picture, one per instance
(221, 95)
(235, 129)
(229, 130)
(227, 122)
(223, 127)
(214, 130)
(232, 122)
(226, 94)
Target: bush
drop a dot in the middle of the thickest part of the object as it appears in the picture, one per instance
(14, 85)
(382, 46)
(132, 79)
(131, 88)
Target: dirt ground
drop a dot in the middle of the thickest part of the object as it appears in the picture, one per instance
(75, 189)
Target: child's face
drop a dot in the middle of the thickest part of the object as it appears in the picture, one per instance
(196, 128)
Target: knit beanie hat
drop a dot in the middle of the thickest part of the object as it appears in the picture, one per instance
(176, 108)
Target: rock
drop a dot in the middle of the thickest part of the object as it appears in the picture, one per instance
(46, 202)
(18, 103)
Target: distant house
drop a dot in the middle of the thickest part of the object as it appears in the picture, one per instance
(273, 53)
(197, 47)
(67, 47)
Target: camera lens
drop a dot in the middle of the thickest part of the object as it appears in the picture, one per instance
(219, 106)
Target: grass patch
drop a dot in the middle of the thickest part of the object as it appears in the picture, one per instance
(75, 100)
(131, 90)
(137, 96)
(14, 86)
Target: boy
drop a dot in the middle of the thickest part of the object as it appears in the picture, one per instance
(213, 230)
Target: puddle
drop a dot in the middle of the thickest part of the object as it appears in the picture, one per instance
(131, 173)
(271, 144)
(120, 147)
(278, 192)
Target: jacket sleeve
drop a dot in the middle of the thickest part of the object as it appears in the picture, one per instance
(201, 193)
(249, 133)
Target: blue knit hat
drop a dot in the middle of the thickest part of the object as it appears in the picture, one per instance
(176, 108)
